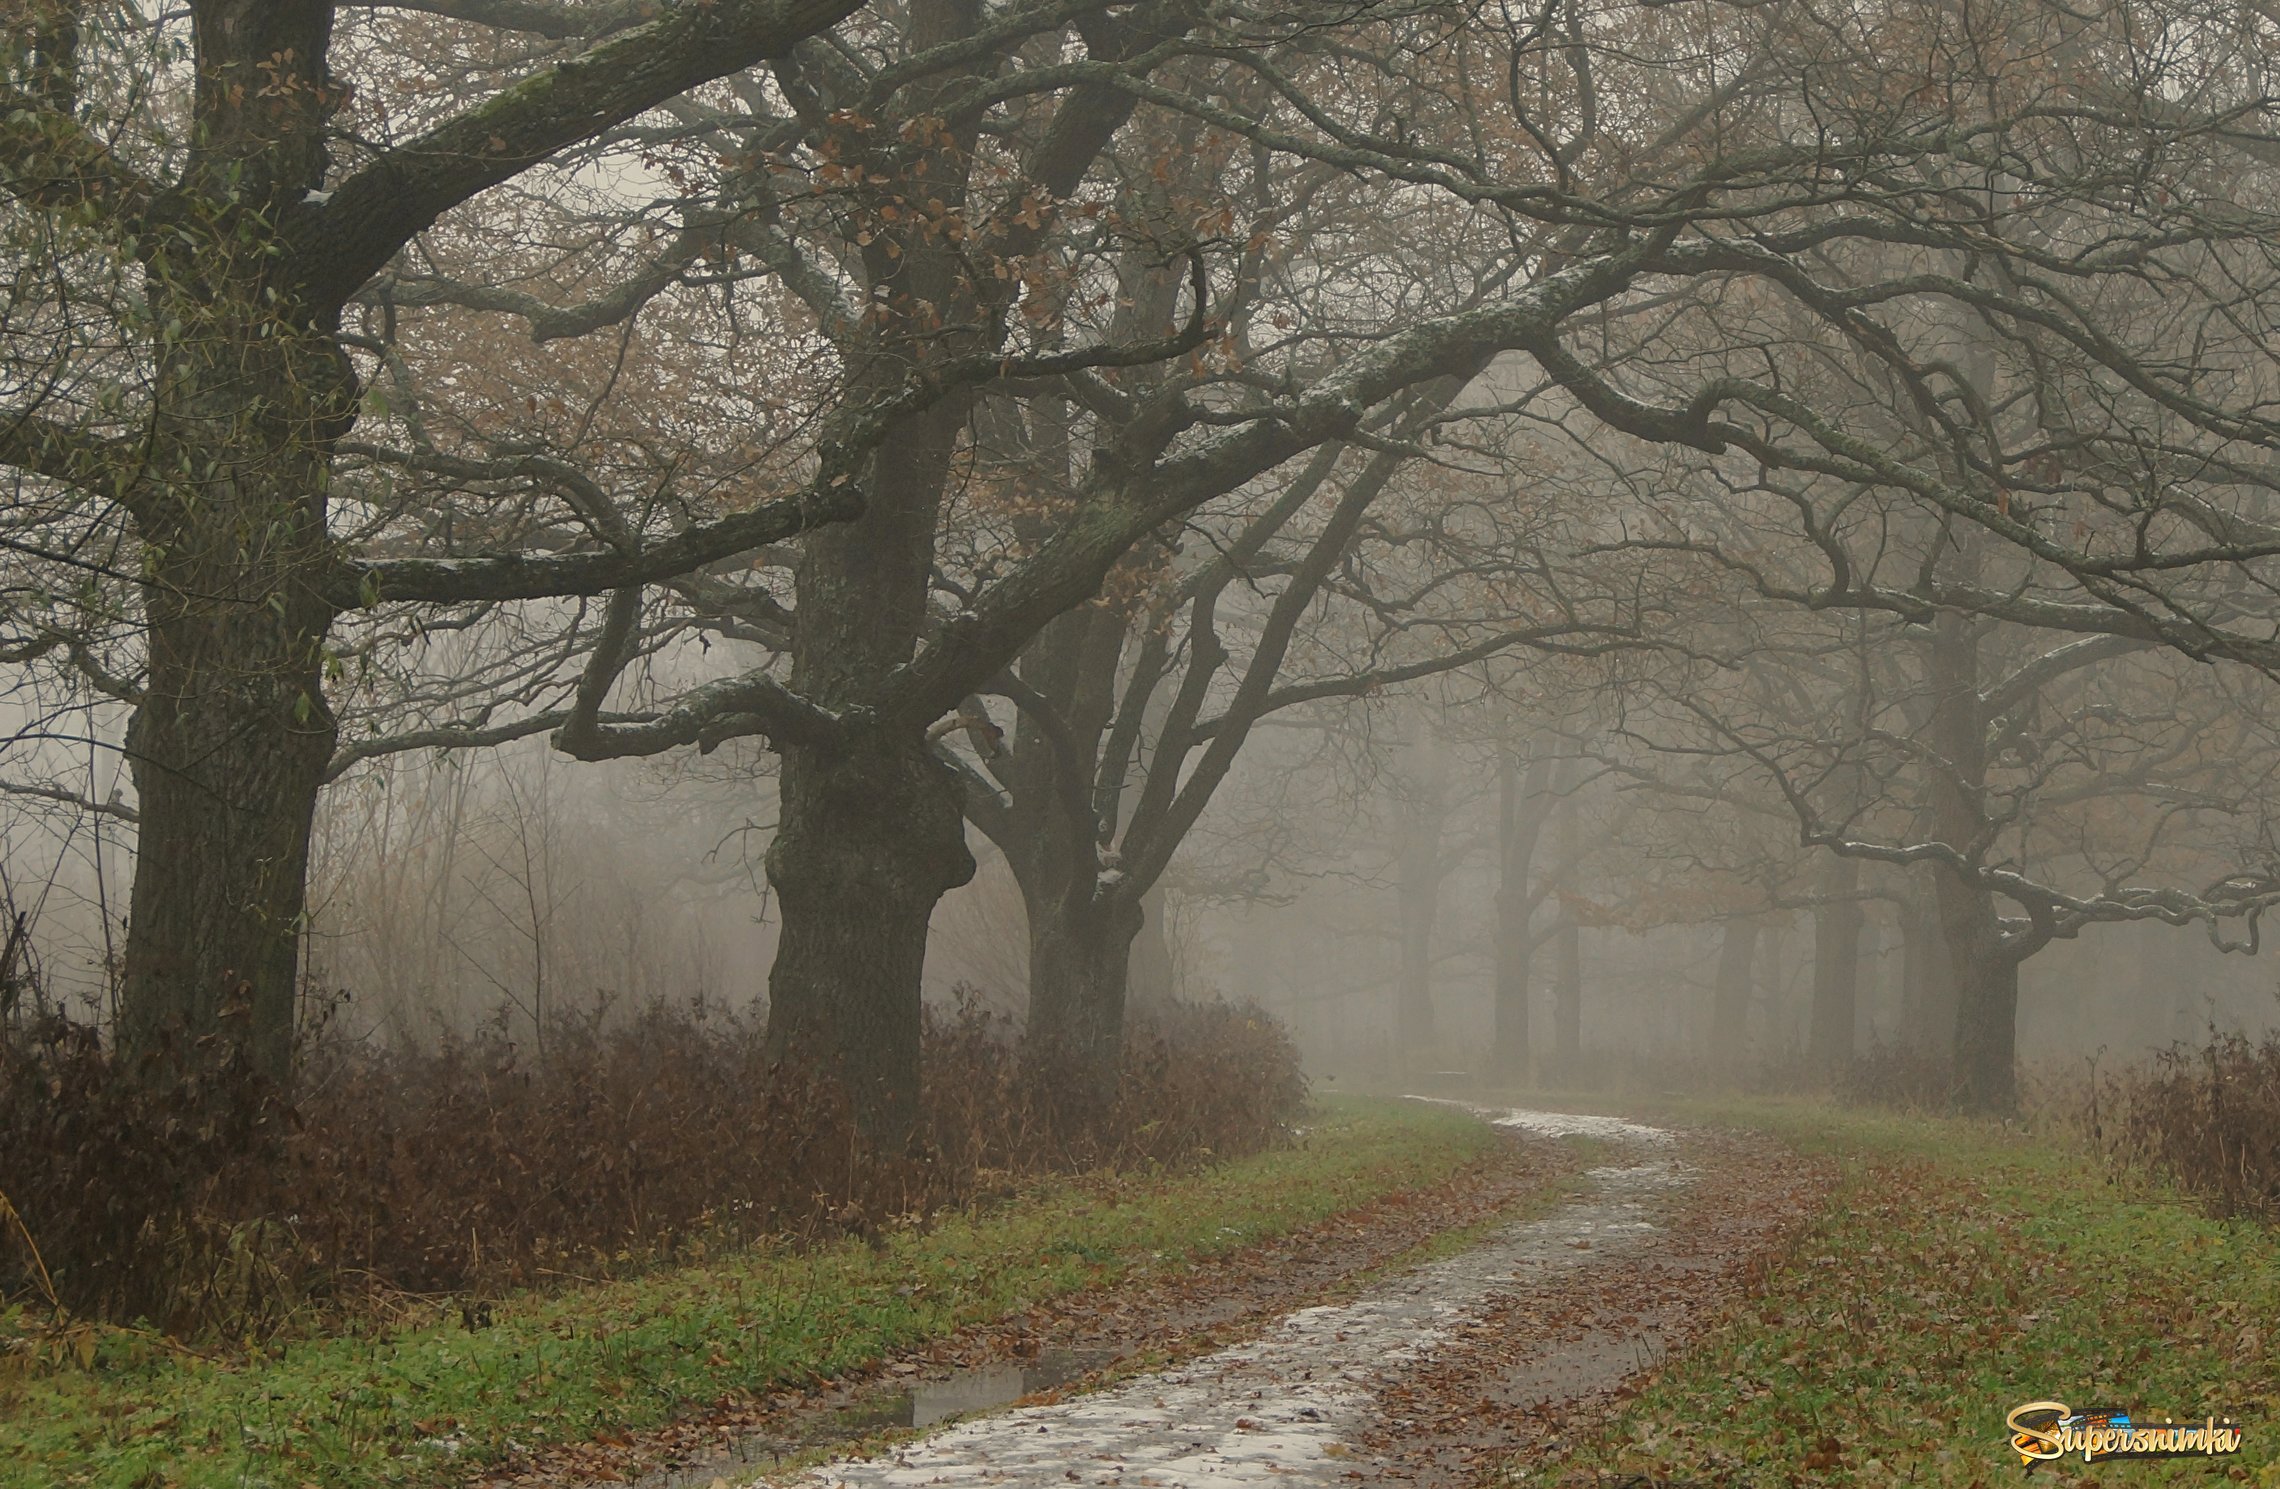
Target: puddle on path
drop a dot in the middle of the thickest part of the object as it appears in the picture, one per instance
(994, 1385)
(1278, 1409)
(924, 1402)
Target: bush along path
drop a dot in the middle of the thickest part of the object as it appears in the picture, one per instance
(631, 1371)
(1434, 1374)
(1141, 1308)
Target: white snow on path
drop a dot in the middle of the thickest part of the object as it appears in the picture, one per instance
(1271, 1411)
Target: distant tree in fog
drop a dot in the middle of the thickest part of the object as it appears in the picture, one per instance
(880, 342)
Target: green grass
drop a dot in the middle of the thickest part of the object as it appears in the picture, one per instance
(569, 1366)
(1959, 1270)
(861, 1439)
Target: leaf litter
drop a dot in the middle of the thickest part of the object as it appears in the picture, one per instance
(1442, 1375)
(1147, 1319)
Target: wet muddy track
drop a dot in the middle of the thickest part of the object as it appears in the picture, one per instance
(1552, 1357)
(1171, 1315)
(1440, 1375)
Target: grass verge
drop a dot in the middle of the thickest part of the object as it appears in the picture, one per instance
(857, 1439)
(1957, 1271)
(425, 1405)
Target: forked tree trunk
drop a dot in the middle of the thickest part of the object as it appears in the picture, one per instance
(871, 834)
(870, 831)
(1836, 969)
(1731, 994)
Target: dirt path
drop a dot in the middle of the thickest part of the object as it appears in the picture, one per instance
(1070, 1343)
(1439, 1375)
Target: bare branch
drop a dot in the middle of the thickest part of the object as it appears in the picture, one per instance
(347, 239)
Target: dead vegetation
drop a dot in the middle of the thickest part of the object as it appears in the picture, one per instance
(2207, 1118)
(212, 1206)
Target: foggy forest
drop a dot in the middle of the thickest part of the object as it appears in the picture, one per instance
(934, 661)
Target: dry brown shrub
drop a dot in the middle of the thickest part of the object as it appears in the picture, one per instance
(2208, 1118)
(212, 1208)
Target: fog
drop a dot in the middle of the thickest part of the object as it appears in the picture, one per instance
(451, 890)
(1536, 581)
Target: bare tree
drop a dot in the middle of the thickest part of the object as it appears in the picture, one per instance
(185, 230)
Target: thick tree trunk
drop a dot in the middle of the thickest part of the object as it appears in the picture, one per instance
(1731, 994)
(1080, 964)
(871, 835)
(1985, 971)
(1082, 941)
(1836, 969)
(870, 832)
(1927, 980)
(1987, 1029)
(228, 748)
(1515, 969)
(231, 738)
(229, 743)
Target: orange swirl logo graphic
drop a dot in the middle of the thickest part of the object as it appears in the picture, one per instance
(2045, 1430)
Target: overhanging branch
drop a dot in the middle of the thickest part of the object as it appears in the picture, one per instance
(350, 237)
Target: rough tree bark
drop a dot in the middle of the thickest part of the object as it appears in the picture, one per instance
(247, 259)
(230, 741)
(1082, 921)
(1080, 965)
(870, 837)
(870, 831)
(1155, 970)
(1984, 969)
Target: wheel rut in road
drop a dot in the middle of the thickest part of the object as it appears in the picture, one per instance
(1434, 1375)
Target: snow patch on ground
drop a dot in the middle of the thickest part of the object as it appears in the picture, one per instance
(1274, 1410)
